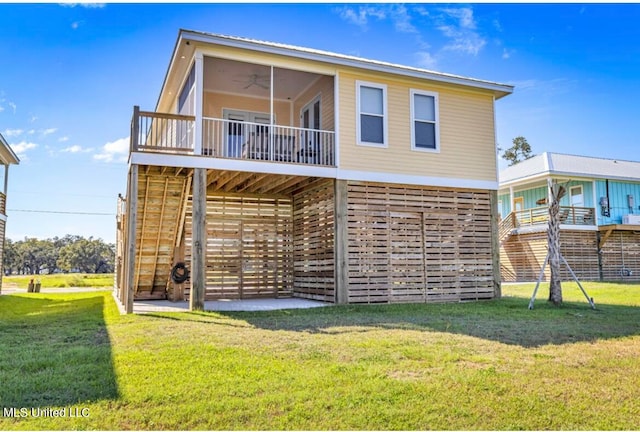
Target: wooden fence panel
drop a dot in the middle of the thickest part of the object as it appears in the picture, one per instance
(522, 256)
(412, 243)
(249, 246)
(313, 239)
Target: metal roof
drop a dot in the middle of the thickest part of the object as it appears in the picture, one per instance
(558, 164)
(7, 156)
(500, 90)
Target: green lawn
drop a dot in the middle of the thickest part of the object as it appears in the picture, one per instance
(487, 365)
(60, 280)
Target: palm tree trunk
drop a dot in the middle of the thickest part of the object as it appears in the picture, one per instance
(553, 238)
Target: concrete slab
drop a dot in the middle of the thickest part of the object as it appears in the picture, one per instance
(149, 306)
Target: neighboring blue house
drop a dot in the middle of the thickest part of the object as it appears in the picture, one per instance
(600, 215)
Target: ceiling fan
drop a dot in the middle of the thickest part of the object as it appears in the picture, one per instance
(255, 80)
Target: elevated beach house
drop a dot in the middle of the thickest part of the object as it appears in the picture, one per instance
(7, 157)
(599, 215)
(273, 171)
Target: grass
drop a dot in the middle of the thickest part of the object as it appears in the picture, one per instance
(487, 365)
(60, 280)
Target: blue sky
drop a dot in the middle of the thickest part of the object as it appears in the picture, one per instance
(71, 74)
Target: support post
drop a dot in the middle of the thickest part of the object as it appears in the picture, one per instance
(341, 242)
(198, 96)
(135, 130)
(130, 261)
(495, 244)
(196, 298)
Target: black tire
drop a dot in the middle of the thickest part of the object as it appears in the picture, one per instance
(179, 273)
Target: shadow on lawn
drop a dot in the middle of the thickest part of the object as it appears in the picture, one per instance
(506, 320)
(54, 352)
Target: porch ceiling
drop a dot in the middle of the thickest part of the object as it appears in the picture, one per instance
(242, 182)
(257, 183)
(250, 79)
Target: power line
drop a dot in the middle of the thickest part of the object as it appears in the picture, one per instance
(62, 212)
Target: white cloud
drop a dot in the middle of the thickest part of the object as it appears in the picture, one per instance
(506, 53)
(399, 15)
(13, 106)
(21, 149)
(84, 5)
(33, 119)
(425, 60)
(63, 139)
(13, 132)
(460, 27)
(49, 131)
(361, 16)
(72, 149)
(116, 151)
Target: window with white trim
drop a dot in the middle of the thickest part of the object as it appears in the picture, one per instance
(371, 104)
(425, 133)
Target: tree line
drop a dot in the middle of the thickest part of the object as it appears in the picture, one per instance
(70, 253)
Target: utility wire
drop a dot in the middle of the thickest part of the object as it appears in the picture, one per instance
(62, 212)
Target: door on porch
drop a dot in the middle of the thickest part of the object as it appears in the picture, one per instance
(310, 119)
(245, 136)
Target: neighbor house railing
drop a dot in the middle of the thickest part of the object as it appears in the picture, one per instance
(221, 138)
(568, 216)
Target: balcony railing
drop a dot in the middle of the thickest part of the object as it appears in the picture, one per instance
(3, 204)
(170, 133)
(568, 216)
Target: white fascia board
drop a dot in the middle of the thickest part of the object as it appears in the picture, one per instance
(380, 177)
(186, 161)
(158, 159)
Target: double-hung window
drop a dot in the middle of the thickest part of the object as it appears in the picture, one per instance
(371, 100)
(425, 134)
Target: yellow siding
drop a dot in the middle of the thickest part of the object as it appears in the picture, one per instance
(214, 103)
(324, 88)
(467, 138)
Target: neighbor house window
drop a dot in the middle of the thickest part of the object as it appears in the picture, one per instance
(424, 121)
(371, 102)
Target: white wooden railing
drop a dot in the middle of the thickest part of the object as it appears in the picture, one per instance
(170, 133)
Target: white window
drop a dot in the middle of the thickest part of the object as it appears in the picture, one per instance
(425, 134)
(577, 197)
(371, 104)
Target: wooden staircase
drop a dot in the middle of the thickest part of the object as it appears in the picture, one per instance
(162, 200)
(506, 227)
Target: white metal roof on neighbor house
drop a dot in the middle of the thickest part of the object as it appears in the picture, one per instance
(499, 89)
(557, 164)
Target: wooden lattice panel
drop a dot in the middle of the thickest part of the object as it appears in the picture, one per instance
(411, 243)
(621, 252)
(249, 248)
(522, 256)
(313, 234)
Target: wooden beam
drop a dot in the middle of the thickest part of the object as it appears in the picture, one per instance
(273, 186)
(159, 233)
(605, 237)
(132, 211)
(341, 243)
(198, 244)
(495, 243)
(142, 227)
